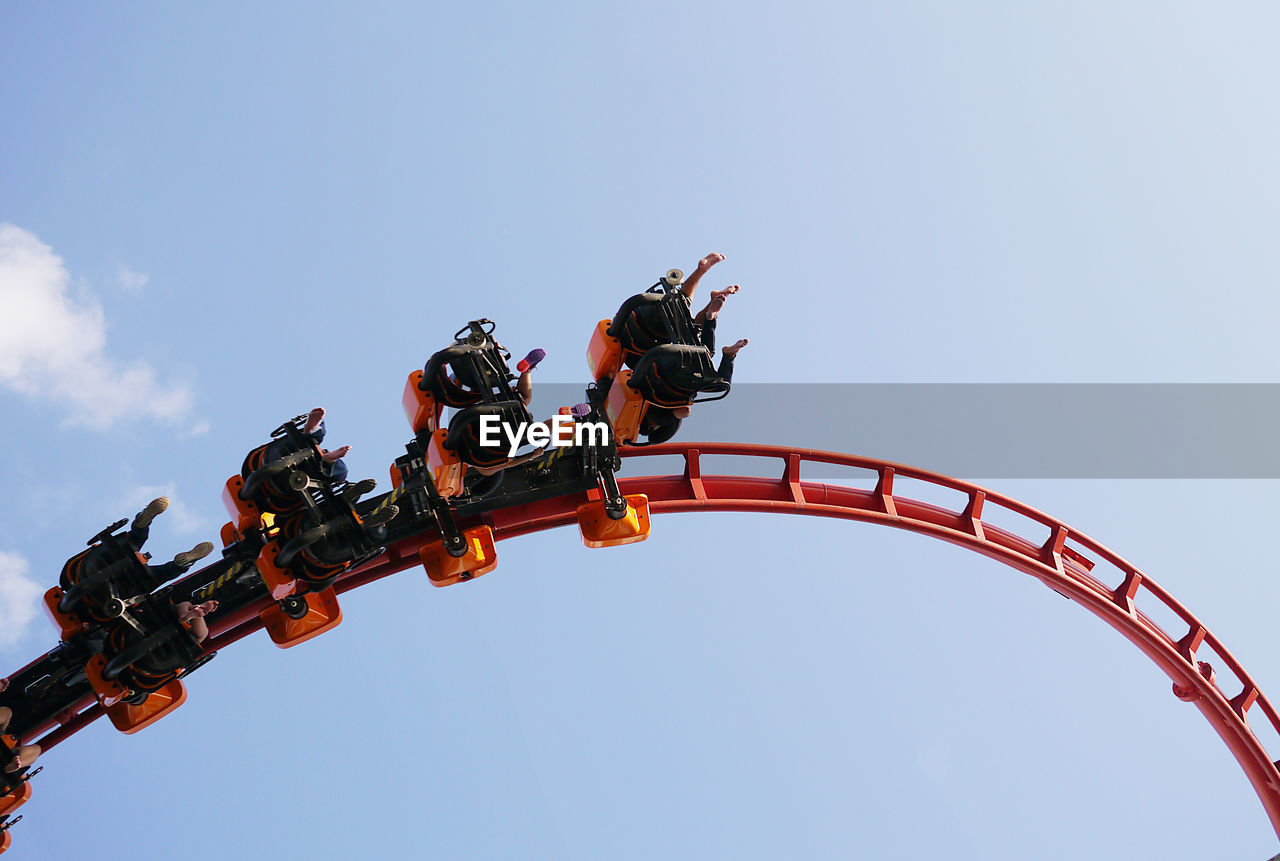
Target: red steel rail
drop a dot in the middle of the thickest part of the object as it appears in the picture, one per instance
(1066, 561)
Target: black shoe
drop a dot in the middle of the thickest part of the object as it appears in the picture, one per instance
(353, 492)
(155, 507)
(381, 516)
(190, 557)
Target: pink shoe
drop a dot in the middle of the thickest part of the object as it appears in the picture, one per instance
(529, 362)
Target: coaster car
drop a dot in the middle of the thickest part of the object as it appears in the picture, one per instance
(315, 548)
(653, 335)
(471, 376)
(137, 675)
(275, 477)
(100, 585)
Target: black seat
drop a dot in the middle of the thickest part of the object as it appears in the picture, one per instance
(464, 437)
(473, 370)
(107, 571)
(269, 470)
(319, 546)
(147, 659)
(656, 318)
(674, 375)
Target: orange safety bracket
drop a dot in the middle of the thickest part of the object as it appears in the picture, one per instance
(420, 407)
(625, 407)
(323, 614)
(67, 625)
(446, 466)
(444, 570)
(244, 512)
(279, 582)
(109, 691)
(604, 352)
(598, 530)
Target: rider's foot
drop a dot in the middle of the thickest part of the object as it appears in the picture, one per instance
(187, 558)
(335, 455)
(24, 756)
(717, 300)
(313, 420)
(154, 507)
(381, 516)
(529, 362)
(357, 489)
(710, 260)
(732, 349)
(580, 410)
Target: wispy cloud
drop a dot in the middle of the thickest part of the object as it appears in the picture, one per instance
(19, 598)
(131, 281)
(54, 346)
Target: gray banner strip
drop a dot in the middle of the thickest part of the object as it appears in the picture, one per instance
(1002, 430)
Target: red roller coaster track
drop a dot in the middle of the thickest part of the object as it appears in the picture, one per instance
(1068, 562)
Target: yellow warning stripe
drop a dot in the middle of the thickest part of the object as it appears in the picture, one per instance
(391, 497)
(209, 589)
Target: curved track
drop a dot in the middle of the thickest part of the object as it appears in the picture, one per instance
(1066, 561)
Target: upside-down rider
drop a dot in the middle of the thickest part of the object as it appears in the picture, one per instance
(661, 423)
(524, 388)
(140, 530)
(23, 755)
(331, 465)
(192, 616)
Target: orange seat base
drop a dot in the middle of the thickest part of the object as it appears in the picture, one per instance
(598, 530)
(323, 614)
(130, 719)
(444, 570)
(17, 797)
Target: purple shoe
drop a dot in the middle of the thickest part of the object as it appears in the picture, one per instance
(580, 410)
(529, 362)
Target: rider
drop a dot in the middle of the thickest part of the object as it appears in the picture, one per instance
(192, 616)
(661, 423)
(23, 755)
(140, 530)
(331, 465)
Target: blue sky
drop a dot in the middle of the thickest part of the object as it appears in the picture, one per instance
(217, 218)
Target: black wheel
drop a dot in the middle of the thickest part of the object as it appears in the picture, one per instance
(294, 606)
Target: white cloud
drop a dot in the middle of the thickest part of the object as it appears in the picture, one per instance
(19, 598)
(130, 280)
(54, 346)
(179, 519)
